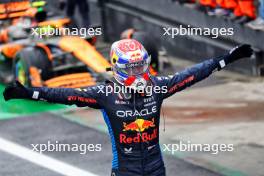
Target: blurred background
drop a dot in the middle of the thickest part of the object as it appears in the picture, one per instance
(227, 108)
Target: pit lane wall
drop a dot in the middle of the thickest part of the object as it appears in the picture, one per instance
(153, 15)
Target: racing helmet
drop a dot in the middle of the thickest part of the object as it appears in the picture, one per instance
(130, 63)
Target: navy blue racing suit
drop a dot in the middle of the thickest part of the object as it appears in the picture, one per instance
(132, 119)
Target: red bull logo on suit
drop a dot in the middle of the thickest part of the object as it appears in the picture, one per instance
(139, 126)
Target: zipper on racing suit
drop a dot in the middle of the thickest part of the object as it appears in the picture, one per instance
(142, 144)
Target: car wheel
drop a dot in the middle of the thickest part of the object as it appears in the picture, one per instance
(31, 57)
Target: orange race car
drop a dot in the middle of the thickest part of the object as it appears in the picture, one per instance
(22, 12)
(67, 61)
(54, 61)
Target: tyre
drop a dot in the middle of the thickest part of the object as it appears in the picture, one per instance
(31, 57)
(150, 46)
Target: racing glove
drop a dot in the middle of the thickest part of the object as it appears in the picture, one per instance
(17, 91)
(239, 52)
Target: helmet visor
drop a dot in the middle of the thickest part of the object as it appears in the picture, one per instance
(132, 69)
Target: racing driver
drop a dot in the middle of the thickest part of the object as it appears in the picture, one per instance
(132, 116)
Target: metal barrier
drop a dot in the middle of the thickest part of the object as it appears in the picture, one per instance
(152, 15)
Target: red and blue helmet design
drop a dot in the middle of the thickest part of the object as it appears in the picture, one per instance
(130, 62)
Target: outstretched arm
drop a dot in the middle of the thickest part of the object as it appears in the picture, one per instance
(198, 72)
(79, 97)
